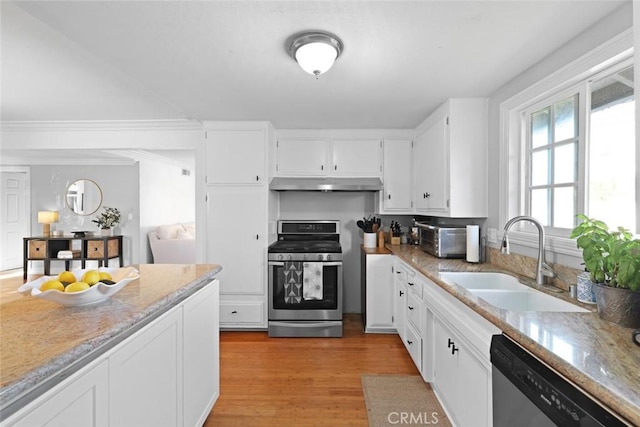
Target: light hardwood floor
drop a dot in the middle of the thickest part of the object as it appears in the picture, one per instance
(302, 381)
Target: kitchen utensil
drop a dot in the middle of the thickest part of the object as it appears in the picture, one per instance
(360, 224)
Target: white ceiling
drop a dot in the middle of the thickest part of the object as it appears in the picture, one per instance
(227, 60)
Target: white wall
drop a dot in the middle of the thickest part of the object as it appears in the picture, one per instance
(603, 31)
(119, 185)
(166, 197)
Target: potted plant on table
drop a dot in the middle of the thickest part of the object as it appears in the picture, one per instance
(612, 259)
(107, 220)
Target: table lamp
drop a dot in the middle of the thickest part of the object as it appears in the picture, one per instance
(46, 218)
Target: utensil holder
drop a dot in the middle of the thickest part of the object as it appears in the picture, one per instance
(370, 240)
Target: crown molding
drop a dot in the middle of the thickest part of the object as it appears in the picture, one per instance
(100, 125)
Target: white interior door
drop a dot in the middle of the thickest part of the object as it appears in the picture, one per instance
(14, 217)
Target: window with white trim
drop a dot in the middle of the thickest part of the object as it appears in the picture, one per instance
(578, 152)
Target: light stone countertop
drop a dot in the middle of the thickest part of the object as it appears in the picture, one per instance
(40, 341)
(596, 355)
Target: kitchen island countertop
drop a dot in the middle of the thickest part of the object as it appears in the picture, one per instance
(596, 355)
(42, 341)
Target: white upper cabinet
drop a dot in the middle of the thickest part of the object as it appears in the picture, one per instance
(323, 156)
(450, 160)
(302, 157)
(236, 157)
(396, 196)
(432, 179)
(356, 157)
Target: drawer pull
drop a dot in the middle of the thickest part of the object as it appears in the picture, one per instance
(234, 312)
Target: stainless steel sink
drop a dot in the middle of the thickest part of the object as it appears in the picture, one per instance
(506, 292)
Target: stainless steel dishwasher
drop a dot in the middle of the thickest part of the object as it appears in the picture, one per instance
(526, 392)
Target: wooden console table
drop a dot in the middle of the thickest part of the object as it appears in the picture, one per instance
(92, 248)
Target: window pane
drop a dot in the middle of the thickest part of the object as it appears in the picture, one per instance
(611, 165)
(540, 205)
(540, 128)
(565, 164)
(564, 119)
(540, 168)
(564, 207)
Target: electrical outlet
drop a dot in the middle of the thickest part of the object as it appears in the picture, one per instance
(492, 235)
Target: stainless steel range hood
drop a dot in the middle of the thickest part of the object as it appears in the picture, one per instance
(325, 184)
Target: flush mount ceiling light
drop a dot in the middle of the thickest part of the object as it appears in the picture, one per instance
(315, 51)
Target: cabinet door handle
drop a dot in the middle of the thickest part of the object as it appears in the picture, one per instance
(401, 293)
(409, 342)
(398, 272)
(257, 178)
(409, 307)
(234, 312)
(335, 167)
(450, 343)
(426, 195)
(257, 237)
(321, 167)
(409, 283)
(454, 349)
(389, 196)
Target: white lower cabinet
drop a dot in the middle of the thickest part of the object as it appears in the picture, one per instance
(82, 400)
(144, 376)
(448, 342)
(376, 292)
(201, 355)
(462, 379)
(165, 374)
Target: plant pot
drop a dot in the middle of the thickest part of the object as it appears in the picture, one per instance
(106, 231)
(585, 289)
(617, 305)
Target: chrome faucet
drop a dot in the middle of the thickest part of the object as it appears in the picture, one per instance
(542, 269)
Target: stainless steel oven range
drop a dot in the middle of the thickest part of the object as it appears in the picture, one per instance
(305, 280)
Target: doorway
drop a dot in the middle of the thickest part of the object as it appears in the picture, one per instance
(15, 215)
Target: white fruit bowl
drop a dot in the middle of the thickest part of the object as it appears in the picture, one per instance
(97, 293)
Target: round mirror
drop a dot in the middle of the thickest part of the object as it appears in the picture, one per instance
(84, 197)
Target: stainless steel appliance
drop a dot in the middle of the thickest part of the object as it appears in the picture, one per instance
(443, 241)
(305, 280)
(526, 392)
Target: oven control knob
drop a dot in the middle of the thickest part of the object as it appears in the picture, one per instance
(305, 257)
(280, 257)
(328, 257)
(319, 257)
(290, 257)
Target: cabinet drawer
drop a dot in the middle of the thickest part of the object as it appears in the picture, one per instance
(241, 312)
(414, 311)
(414, 286)
(37, 249)
(413, 342)
(95, 249)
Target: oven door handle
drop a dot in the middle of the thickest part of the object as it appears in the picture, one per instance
(324, 264)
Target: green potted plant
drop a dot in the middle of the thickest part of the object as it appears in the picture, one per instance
(107, 220)
(612, 259)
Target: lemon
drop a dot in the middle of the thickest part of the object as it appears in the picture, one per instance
(105, 276)
(67, 277)
(91, 277)
(77, 287)
(52, 284)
